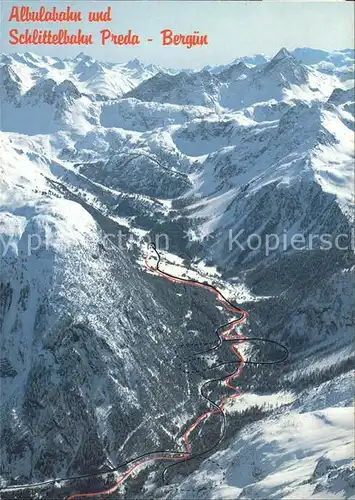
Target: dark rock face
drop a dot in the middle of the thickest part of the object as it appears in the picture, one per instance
(10, 84)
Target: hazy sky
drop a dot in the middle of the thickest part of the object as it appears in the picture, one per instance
(233, 28)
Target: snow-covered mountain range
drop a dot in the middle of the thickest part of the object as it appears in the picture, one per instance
(96, 158)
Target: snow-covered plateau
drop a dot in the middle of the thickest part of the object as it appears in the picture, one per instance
(243, 175)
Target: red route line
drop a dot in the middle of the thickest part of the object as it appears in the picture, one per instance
(225, 334)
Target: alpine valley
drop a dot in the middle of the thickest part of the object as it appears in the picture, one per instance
(98, 359)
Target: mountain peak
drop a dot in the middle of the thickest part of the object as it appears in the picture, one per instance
(32, 56)
(83, 57)
(135, 64)
(285, 67)
(68, 88)
(282, 53)
(233, 71)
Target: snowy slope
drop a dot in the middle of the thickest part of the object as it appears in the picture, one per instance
(263, 146)
(71, 304)
(291, 455)
(238, 86)
(45, 108)
(105, 80)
